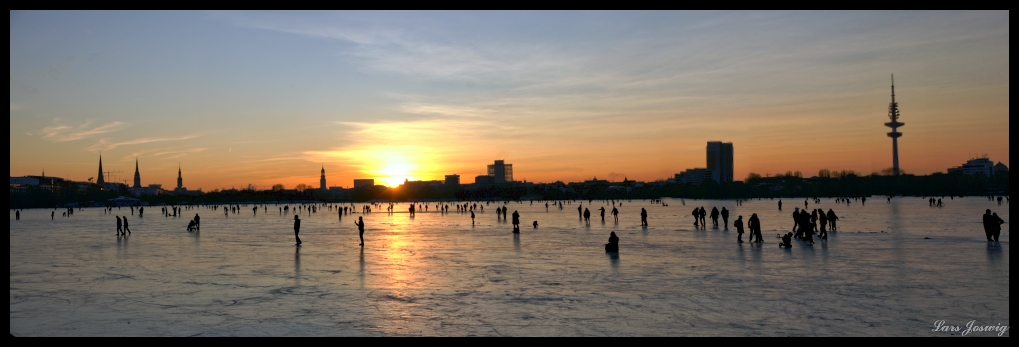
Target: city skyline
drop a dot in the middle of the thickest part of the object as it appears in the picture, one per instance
(242, 98)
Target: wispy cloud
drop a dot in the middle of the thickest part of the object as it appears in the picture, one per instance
(178, 153)
(446, 110)
(107, 145)
(397, 49)
(64, 133)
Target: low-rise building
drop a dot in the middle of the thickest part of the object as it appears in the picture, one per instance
(453, 181)
(976, 167)
(364, 183)
(693, 176)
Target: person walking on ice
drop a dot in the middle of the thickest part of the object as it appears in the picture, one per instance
(297, 229)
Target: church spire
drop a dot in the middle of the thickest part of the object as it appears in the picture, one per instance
(137, 175)
(322, 180)
(100, 180)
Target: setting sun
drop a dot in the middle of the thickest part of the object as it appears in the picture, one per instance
(394, 173)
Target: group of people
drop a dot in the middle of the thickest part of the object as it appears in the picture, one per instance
(122, 227)
(992, 226)
(297, 229)
(195, 224)
(807, 224)
(700, 217)
(754, 224)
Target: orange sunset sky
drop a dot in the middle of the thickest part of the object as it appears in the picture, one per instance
(239, 98)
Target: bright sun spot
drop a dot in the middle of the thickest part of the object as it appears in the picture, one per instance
(393, 174)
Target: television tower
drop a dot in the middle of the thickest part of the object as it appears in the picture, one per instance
(893, 114)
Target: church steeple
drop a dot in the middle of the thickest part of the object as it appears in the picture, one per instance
(322, 180)
(137, 175)
(180, 180)
(100, 180)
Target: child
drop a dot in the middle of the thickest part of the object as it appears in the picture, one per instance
(739, 228)
(787, 241)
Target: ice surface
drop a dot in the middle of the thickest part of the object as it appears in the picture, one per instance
(893, 269)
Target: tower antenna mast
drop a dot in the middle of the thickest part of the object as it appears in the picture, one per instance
(893, 115)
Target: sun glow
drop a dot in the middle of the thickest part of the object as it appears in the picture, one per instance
(395, 173)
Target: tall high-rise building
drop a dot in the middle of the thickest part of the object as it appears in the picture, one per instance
(322, 180)
(137, 175)
(720, 162)
(100, 180)
(501, 172)
(893, 114)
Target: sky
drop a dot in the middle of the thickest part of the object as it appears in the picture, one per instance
(262, 98)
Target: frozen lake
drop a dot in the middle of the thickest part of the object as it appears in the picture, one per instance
(893, 269)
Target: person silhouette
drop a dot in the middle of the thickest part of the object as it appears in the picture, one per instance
(587, 216)
(615, 214)
(725, 217)
(198, 223)
(546, 207)
(755, 229)
(472, 217)
(535, 224)
(516, 222)
(832, 218)
(780, 205)
(822, 220)
(805, 226)
(988, 225)
(127, 230)
(787, 241)
(696, 217)
(714, 217)
(120, 225)
(643, 217)
(580, 211)
(704, 215)
(813, 221)
(613, 245)
(996, 223)
(739, 229)
(297, 229)
(602, 213)
(360, 229)
(796, 223)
